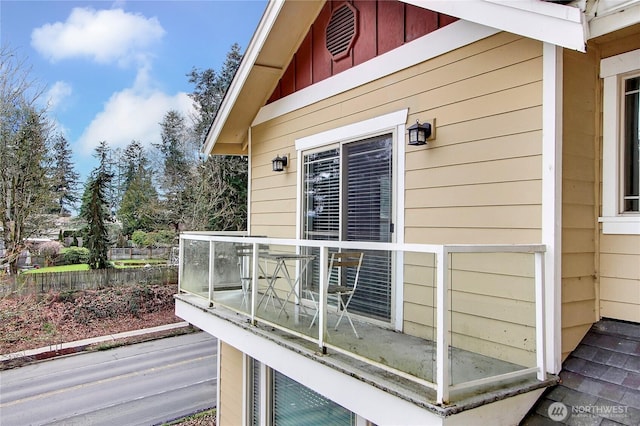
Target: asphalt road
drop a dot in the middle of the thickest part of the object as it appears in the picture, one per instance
(144, 384)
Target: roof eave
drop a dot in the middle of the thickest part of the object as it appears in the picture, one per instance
(273, 45)
(249, 58)
(557, 24)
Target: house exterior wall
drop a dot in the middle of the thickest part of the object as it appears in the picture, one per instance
(579, 192)
(619, 254)
(600, 271)
(231, 380)
(479, 181)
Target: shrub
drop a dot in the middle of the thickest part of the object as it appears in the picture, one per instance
(75, 255)
(50, 251)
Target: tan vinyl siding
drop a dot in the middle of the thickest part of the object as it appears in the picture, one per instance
(480, 180)
(619, 255)
(231, 385)
(579, 213)
(486, 98)
(492, 310)
(620, 277)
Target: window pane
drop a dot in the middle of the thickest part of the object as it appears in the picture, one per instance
(631, 171)
(368, 218)
(255, 392)
(295, 404)
(366, 212)
(321, 192)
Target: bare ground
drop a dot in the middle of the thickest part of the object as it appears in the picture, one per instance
(29, 322)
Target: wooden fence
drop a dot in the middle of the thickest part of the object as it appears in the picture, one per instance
(119, 253)
(35, 283)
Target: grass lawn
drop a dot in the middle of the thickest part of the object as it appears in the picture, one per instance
(137, 263)
(118, 264)
(63, 268)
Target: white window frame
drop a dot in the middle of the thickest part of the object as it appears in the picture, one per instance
(394, 123)
(613, 71)
(265, 394)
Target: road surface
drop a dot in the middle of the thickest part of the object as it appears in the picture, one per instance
(144, 384)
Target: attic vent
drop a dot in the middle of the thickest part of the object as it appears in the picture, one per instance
(342, 30)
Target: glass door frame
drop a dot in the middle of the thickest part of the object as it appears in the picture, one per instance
(394, 124)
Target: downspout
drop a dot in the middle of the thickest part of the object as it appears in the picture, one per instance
(597, 141)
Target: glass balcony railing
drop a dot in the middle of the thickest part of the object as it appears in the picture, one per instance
(452, 318)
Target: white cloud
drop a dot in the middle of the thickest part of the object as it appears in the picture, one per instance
(132, 115)
(104, 36)
(57, 93)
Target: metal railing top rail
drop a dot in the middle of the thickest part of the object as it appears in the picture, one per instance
(358, 245)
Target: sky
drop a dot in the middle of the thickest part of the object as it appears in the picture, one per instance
(112, 69)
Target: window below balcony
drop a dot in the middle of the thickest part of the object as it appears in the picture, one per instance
(280, 400)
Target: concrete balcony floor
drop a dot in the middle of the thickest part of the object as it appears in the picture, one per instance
(376, 348)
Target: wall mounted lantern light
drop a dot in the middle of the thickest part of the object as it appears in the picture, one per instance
(279, 163)
(419, 133)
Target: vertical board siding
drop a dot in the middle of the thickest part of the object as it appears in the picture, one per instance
(478, 182)
(230, 404)
(382, 26)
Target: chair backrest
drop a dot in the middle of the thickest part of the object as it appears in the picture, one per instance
(343, 260)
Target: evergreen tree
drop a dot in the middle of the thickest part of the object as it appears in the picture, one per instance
(107, 165)
(131, 160)
(95, 210)
(64, 178)
(176, 167)
(139, 206)
(95, 213)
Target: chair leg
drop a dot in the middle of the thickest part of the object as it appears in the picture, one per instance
(344, 311)
(245, 292)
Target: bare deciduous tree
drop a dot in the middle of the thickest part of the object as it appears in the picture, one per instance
(25, 193)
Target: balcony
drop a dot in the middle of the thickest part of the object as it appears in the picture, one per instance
(446, 322)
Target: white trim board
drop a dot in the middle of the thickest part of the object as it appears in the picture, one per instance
(248, 60)
(610, 71)
(552, 70)
(556, 24)
(395, 123)
(361, 128)
(451, 37)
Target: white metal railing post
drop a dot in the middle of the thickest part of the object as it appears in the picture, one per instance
(212, 256)
(540, 310)
(255, 272)
(180, 262)
(442, 326)
(322, 296)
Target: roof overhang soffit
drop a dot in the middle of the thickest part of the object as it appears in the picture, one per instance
(276, 39)
(560, 25)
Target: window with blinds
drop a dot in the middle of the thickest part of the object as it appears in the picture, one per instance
(295, 404)
(347, 194)
(254, 394)
(631, 149)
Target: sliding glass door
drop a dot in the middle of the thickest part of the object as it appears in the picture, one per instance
(347, 190)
